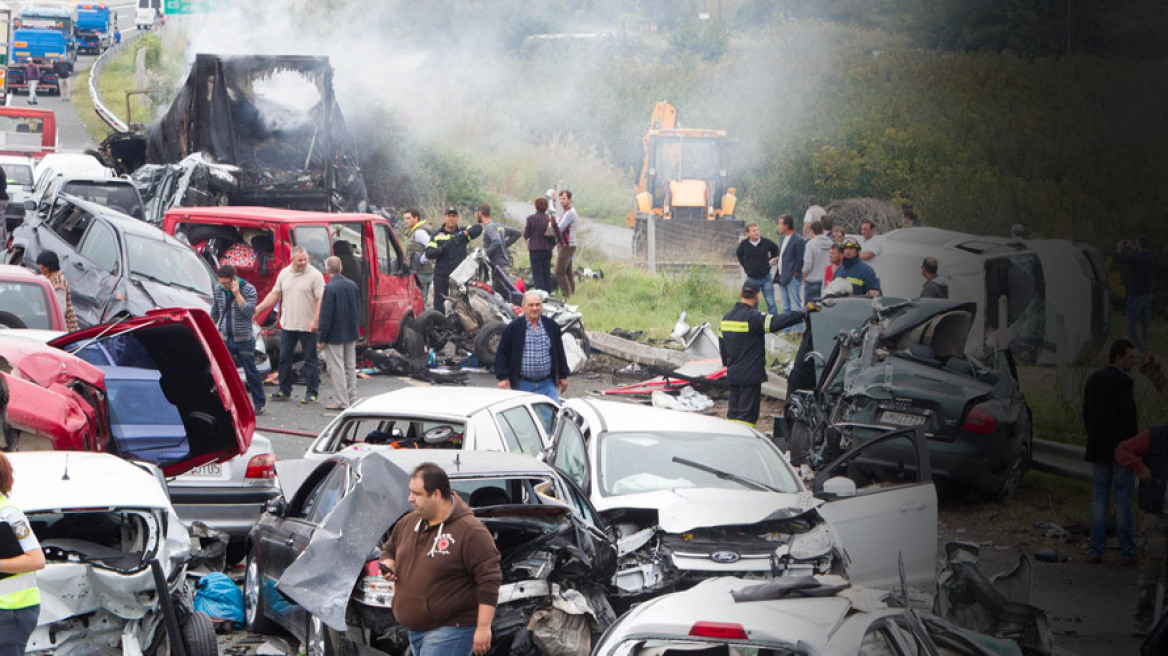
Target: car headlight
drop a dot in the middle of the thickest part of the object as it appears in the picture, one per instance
(813, 544)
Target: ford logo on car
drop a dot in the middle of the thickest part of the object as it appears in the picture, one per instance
(724, 557)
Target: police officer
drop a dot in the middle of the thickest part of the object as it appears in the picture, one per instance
(447, 249)
(743, 347)
(860, 274)
(20, 600)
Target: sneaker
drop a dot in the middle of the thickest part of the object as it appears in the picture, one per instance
(279, 396)
(260, 410)
(1094, 559)
(308, 398)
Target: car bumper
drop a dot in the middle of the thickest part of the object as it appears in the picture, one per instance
(230, 509)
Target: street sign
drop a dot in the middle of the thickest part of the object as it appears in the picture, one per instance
(191, 6)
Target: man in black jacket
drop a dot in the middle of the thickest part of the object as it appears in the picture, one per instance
(1109, 414)
(757, 255)
(340, 312)
(531, 353)
(743, 349)
(447, 249)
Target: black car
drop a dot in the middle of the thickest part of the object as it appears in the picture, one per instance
(894, 363)
(118, 194)
(116, 265)
(312, 566)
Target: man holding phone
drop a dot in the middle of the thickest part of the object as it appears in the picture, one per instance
(232, 312)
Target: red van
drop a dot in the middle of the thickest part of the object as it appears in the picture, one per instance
(27, 131)
(259, 242)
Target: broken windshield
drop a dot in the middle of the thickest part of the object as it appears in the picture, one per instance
(168, 264)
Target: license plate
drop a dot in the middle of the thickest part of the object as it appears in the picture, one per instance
(212, 469)
(902, 419)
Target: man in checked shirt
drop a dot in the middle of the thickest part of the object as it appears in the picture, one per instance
(531, 353)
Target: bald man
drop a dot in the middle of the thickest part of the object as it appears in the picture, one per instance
(531, 353)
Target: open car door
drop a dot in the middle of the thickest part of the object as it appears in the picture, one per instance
(197, 377)
(884, 513)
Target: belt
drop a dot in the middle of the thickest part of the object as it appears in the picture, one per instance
(535, 380)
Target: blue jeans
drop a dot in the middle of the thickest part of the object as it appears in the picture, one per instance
(443, 641)
(1139, 315)
(768, 291)
(288, 341)
(1104, 476)
(792, 295)
(243, 352)
(547, 387)
(15, 628)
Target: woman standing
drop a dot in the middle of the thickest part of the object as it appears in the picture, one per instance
(20, 600)
(541, 234)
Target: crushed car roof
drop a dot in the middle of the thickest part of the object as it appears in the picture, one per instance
(446, 402)
(51, 480)
(456, 462)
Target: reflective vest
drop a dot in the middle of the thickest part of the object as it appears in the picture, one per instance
(18, 590)
(412, 246)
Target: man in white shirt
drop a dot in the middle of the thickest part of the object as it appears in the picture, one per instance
(872, 243)
(814, 213)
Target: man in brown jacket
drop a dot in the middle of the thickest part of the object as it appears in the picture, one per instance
(447, 570)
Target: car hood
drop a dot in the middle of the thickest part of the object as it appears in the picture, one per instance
(44, 365)
(157, 295)
(684, 509)
(197, 375)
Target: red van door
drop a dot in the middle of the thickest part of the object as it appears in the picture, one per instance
(395, 293)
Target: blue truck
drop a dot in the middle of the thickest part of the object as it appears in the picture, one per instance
(95, 27)
(49, 17)
(41, 46)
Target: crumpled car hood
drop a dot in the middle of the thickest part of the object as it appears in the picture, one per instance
(156, 295)
(684, 509)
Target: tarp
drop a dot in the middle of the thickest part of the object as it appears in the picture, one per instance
(322, 576)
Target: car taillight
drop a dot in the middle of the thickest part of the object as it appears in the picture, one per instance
(261, 466)
(980, 422)
(372, 589)
(721, 630)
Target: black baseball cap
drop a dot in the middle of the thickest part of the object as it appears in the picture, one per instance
(452, 210)
(751, 287)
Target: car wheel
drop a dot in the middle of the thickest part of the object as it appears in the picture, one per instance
(487, 342)
(198, 635)
(318, 640)
(9, 320)
(254, 606)
(435, 329)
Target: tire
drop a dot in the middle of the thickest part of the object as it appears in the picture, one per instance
(198, 635)
(9, 320)
(403, 334)
(487, 342)
(800, 444)
(435, 329)
(254, 606)
(319, 639)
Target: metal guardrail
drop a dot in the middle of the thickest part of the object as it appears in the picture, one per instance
(95, 72)
(1061, 459)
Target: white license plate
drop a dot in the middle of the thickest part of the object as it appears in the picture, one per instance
(902, 419)
(212, 469)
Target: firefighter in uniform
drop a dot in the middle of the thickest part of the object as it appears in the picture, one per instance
(743, 347)
(20, 557)
(856, 271)
(447, 249)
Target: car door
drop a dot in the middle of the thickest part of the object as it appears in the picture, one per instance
(888, 514)
(521, 433)
(569, 451)
(390, 298)
(545, 414)
(197, 375)
(93, 275)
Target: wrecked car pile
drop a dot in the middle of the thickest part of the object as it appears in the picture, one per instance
(247, 130)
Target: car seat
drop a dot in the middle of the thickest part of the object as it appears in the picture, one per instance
(488, 496)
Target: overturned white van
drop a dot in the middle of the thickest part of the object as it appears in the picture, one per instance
(1047, 300)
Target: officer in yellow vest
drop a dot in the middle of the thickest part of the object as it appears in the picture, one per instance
(20, 600)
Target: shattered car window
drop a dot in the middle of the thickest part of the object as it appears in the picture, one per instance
(168, 264)
(101, 247)
(637, 462)
(519, 431)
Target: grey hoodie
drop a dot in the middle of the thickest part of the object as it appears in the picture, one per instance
(816, 257)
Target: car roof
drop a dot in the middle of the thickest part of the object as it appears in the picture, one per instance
(49, 480)
(617, 416)
(269, 214)
(808, 620)
(458, 463)
(99, 181)
(11, 272)
(127, 224)
(18, 160)
(445, 402)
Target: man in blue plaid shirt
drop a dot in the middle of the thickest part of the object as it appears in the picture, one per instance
(531, 353)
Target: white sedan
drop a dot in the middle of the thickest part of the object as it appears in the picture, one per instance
(470, 418)
(692, 497)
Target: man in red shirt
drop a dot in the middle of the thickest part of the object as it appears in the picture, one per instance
(1146, 455)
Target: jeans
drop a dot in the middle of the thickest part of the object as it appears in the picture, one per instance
(812, 290)
(15, 628)
(443, 641)
(768, 291)
(1104, 476)
(243, 352)
(288, 341)
(427, 279)
(792, 295)
(547, 387)
(1139, 315)
(541, 271)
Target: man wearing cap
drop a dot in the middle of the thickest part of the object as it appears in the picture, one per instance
(743, 347)
(860, 274)
(447, 249)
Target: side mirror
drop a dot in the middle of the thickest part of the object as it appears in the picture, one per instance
(30, 205)
(277, 506)
(839, 487)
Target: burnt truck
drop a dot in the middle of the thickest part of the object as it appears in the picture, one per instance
(245, 130)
